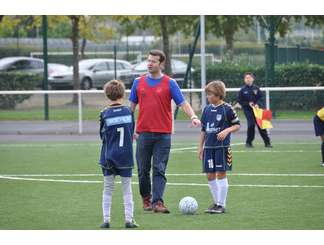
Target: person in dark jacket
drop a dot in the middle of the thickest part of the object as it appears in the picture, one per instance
(250, 95)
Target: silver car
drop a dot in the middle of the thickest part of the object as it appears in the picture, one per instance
(93, 73)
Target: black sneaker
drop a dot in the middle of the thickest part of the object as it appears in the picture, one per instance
(268, 145)
(105, 225)
(219, 210)
(249, 145)
(131, 225)
(211, 209)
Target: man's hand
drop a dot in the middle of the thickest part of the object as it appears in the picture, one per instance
(135, 136)
(222, 135)
(195, 122)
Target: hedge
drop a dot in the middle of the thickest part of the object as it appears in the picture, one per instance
(290, 75)
(16, 81)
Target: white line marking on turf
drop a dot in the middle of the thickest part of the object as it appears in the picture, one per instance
(172, 174)
(171, 184)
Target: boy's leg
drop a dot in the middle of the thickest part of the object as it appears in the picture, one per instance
(109, 182)
(222, 184)
(128, 198)
(212, 183)
(161, 153)
(264, 135)
(322, 137)
(250, 126)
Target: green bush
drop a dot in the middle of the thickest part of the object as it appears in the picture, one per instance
(16, 81)
(286, 75)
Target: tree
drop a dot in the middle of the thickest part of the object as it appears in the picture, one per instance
(226, 26)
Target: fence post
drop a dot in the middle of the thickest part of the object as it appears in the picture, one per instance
(267, 99)
(80, 111)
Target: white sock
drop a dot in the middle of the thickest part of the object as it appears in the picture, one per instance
(109, 182)
(128, 198)
(213, 189)
(222, 185)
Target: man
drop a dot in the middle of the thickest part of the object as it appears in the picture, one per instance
(153, 93)
(250, 95)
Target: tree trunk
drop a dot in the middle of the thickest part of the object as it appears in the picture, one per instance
(83, 46)
(229, 39)
(75, 47)
(166, 45)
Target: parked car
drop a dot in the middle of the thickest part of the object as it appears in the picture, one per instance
(179, 69)
(93, 73)
(21, 64)
(54, 68)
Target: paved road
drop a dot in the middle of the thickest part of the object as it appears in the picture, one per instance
(25, 131)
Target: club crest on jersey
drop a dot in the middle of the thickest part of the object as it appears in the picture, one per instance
(219, 117)
(255, 91)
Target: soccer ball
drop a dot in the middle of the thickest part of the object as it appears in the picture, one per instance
(188, 205)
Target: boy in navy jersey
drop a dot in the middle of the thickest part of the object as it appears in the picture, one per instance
(218, 121)
(116, 157)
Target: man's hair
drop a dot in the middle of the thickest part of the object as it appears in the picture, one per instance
(114, 89)
(217, 88)
(249, 74)
(157, 52)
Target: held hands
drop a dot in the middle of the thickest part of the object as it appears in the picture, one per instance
(222, 135)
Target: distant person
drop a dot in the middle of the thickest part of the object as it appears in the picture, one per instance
(319, 129)
(116, 133)
(154, 92)
(218, 121)
(250, 95)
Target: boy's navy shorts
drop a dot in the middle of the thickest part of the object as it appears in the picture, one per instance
(217, 159)
(125, 172)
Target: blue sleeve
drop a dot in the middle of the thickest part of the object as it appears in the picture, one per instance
(232, 116)
(259, 99)
(203, 120)
(133, 94)
(176, 93)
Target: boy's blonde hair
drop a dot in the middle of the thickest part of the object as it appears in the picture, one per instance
(114, 89)
(217, 88)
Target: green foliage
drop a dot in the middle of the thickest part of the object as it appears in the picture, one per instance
(16, 81)
(286, 75)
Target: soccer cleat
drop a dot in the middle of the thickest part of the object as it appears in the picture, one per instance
(211, 208)
(131, 225)
(147, 203)
(219, 210)
(249, 145)
(160, 208)
(105, 225)
(215, 209)
(268, 145)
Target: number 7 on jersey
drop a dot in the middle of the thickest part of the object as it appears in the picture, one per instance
(121, 138)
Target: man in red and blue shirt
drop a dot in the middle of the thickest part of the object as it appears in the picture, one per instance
(153, 92)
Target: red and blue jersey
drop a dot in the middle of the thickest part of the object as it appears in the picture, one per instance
(154, 98)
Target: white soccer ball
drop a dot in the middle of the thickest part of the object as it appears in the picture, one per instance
(188, 205)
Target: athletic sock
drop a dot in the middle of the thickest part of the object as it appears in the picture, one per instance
(128, 198)
(322, 152)
(222, 185)
(213, 189)
(109, 182)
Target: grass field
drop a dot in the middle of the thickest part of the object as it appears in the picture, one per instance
(42, 194)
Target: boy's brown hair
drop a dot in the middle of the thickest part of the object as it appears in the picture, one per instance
(157, 52)
(217, 88)
(114, 90)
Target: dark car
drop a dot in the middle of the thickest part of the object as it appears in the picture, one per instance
(21, 64)
(179, 69)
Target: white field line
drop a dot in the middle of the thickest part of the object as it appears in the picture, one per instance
(171, 174)
(171, 184)
(53, 144)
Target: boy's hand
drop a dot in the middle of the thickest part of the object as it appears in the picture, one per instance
(201, 153)
(222, 135)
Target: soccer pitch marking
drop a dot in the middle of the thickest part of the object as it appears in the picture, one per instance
(170, 184)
